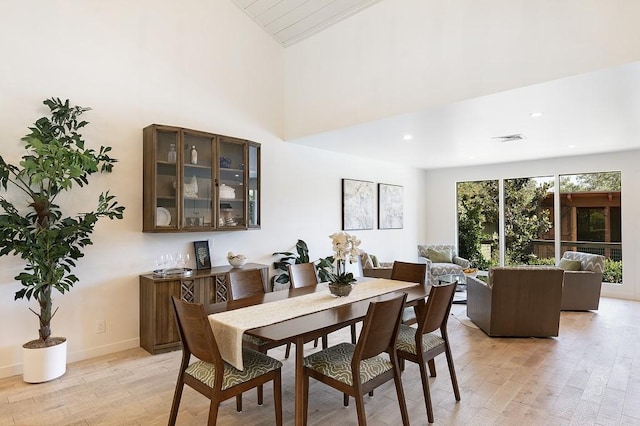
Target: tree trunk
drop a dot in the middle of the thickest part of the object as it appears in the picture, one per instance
(44, 300)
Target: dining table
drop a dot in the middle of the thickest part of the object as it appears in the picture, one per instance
(310, 322)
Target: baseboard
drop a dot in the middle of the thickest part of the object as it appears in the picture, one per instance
(16, 369)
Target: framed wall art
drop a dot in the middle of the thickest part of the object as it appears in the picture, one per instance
(201, 252)
(390, 206)
(358, 204)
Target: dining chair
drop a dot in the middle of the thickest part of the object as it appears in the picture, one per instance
(421, 345)
(210, 375)
(412, 272)
(304, 275)
(358, 369)
(242, 283)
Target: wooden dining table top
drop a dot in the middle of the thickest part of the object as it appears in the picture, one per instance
(312, 322)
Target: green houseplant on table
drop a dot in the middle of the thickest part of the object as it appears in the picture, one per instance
(49, 242)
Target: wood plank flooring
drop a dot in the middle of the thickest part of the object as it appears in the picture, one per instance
(589, 375)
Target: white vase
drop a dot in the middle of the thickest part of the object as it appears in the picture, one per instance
(44, 364)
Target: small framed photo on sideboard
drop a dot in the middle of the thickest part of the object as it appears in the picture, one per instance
(201, 252)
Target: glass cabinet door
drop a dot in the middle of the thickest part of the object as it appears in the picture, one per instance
(166, 142)
(231, 189)
(253, 179)
(195, 193)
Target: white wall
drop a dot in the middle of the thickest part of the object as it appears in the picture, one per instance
(439, 221)
(402, 56)
(201, 64)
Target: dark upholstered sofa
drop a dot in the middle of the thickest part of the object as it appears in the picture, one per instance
(517, 301)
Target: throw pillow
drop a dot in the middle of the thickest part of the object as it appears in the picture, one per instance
(570, 265)
(367, 263)
(439, 256)
(374, 260)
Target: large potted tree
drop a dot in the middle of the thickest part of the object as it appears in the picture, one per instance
(33, 226)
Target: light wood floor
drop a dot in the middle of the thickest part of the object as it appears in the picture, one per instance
(590, 375)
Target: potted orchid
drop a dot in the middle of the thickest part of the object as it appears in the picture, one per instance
(345, 247)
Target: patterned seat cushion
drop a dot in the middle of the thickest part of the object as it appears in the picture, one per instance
(335, 362)
(255, 365)
(254, 340)
(407, 340)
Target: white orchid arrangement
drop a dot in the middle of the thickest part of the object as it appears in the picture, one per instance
(345, 247)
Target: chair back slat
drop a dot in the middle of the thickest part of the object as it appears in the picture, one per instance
(195, 331)
(436, 311)
(411, 272)
(380, 327)
(244, 283)
(302, 275)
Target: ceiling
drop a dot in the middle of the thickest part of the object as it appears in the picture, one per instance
(289, 21)
(584, 114)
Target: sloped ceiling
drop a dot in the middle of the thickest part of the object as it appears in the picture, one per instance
(289, 21)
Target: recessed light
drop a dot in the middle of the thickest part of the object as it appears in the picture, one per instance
(571, 146)
(535, 114)
(407, 137)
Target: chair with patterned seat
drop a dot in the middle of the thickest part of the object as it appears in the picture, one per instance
(421, 345)
(244, 283)
(358, 369)
(210, 375)
(411, 272)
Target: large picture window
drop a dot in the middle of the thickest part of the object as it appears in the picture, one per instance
(589, 218)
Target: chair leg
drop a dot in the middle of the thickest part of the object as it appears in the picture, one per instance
(432, 367)
(287, 351)
(325, 342)
(239, 403)
(176, 402)
(213, 412)
(400, 392)
(425, 391)
(362, 417)
(315, 343)
(452, 373)
(277, 397)
(345, 399)
(353, 334)
(260, 393)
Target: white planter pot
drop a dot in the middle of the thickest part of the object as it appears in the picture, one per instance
(44, 364)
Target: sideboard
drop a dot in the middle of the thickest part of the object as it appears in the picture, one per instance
(158, 329)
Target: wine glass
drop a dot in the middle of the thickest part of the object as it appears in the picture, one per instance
(184, 259)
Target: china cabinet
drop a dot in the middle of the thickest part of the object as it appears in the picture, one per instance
(158, 329)
(199, 181)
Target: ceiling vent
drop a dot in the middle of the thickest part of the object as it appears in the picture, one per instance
(509, 138)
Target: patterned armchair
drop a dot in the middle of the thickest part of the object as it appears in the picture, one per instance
(583, 282)
(441, 259)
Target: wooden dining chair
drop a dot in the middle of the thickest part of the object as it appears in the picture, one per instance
(421, 345)
(358, 369)
(210, 375)
(412, 272)
(242, 283)
(303, 275)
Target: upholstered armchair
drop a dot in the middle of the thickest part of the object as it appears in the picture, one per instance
(521, 301)
(372, 267)
(441, 259)
(582, 280)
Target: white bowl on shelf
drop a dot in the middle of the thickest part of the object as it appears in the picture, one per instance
(237, 262)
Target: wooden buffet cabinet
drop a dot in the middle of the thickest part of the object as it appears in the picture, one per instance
(158, 329)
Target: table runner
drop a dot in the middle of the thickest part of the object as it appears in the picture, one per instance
(229, 326)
